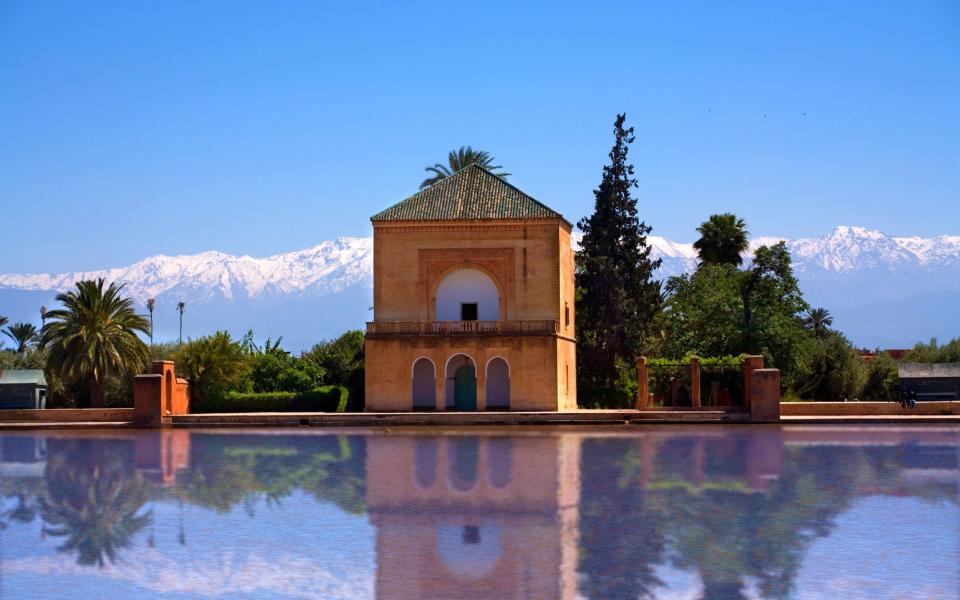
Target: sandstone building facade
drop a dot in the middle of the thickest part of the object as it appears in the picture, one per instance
(473, 301)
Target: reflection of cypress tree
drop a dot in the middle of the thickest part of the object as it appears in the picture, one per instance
(729, 533)
(719, 528)
(620, 538)
(92, 500)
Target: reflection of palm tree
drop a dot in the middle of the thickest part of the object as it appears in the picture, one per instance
(92, 500)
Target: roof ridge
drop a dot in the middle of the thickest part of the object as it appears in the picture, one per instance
(467, 195)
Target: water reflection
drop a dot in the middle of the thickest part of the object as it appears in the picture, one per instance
(695, 512)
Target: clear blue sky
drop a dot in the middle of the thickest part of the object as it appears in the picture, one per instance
(136, 128)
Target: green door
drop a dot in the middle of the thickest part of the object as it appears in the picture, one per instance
(465, 388)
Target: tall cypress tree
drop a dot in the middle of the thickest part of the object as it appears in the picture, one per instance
(616, 295)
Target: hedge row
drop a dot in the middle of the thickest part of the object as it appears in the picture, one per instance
(329, 398)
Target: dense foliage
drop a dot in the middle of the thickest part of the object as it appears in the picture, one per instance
(723, 240)
(327, 398)
(94, 335)
(616, 295)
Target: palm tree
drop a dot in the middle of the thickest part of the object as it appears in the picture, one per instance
(3, 320)
(461, 159)
(151, 303)
(818, 321)
(93, 501)
(43, 316)
(94, 333)
(723, 238)
(23, 334)
(180, 307)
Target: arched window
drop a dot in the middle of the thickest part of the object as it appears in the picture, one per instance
(467, 295)
(461, 383)
(424, 385)
(498, 384)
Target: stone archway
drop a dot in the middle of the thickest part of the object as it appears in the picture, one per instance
(467, 294)
(424, 385)
(461, 383)
(498, 384)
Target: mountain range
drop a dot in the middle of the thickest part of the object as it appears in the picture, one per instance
(883, 291)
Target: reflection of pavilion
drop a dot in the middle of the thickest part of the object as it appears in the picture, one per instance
(474, 517)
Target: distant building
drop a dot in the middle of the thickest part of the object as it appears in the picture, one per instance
(23, 388)
(473, 301)
(930, 381)
(894, 353)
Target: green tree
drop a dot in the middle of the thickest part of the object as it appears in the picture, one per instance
(934, 352)
(342, 363)
(23, 334)
(213, 365)
(151, 304)
(273, 369)
(723, 240)
(882, 380)
(95, 333)
(703, 313)
(461, 159)
(835, 370)
(720, 310)
(818, 321)
(616, 295)
(772, 305)
(181, 306)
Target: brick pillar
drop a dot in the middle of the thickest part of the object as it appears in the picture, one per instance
(441, 389)
(695, 382)
(643, 384)
(765, 395)
(750, 363)
(482, 387)
(159, 395)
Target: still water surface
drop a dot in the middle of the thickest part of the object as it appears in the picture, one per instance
(698, 512)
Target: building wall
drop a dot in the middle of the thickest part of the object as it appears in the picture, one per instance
(523, 259)
(930, 388)
(530, 263)
(533, 362)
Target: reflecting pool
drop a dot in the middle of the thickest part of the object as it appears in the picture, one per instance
(672, 512)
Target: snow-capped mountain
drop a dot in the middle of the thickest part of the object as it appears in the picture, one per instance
(327, 268)
(320, 291)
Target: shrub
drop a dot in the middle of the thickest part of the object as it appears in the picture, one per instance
(329, 398)
(213, 365)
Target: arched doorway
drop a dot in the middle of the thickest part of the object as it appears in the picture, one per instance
(498, 384)
(424, 384)
(467, 295)
(168, 391)
(461, 385)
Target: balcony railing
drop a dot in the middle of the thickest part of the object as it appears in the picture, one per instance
(375, 328)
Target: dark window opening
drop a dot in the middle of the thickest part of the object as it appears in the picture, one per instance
(469, 311)
(566, 313)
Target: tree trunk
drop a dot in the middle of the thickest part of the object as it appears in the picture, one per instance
(96, 393)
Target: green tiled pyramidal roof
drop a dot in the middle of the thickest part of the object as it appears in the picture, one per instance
(471, 193)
